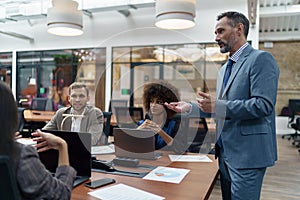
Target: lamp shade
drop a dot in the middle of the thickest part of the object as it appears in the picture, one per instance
(175, 14)
(64, 19)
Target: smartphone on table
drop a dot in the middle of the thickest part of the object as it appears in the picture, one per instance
(100, 182)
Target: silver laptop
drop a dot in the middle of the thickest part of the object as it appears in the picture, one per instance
(135, 143)
(79, 149)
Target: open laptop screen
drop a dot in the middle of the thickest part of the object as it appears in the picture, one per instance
(79, 148)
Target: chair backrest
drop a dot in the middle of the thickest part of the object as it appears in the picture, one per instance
(298, 123)
(197, 128)
(117, 103)
(196, 131)
(38, 103)
(8, 184)
(285, 111)
(21, 119)
(128, 117)
(106, 125)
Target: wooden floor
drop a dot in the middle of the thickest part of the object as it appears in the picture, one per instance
(282, 181)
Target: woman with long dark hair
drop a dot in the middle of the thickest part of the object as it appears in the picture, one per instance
(33, 180)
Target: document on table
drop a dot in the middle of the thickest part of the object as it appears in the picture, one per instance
(26, 141)
(167, 174)
(124, 192)
(189, 158)
(105, 149)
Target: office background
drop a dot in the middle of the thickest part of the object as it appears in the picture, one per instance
(109, 31)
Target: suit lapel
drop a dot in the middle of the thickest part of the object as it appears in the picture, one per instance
(237, 66)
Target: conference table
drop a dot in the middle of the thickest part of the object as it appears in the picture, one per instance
(197, 184)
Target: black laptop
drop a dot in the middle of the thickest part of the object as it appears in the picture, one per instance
(79, 148)
(135, 143)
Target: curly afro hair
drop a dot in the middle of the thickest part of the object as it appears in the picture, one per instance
(161, 90)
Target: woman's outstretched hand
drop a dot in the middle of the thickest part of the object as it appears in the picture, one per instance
(179, 107)
(46, 141)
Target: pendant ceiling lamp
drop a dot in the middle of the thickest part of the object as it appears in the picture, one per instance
(175, 14)
(64, 19)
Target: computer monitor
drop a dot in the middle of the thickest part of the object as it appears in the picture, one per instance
(117, 103)
(128, 117)
(294, 105)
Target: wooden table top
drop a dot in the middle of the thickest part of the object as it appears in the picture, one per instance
(197, 184)
(38, 116)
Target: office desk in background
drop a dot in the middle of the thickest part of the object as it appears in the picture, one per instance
(197, 184)
(38, 116)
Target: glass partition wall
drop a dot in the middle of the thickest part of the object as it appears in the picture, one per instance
(190, 67)
(49, 73)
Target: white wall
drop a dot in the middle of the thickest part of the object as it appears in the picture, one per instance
(108, 29)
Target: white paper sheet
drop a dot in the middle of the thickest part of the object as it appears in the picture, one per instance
(189, 158)
(26, 141)
(167, 174)
(123, 192)
(105, 149)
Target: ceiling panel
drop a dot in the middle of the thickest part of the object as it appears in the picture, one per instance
(278, 19)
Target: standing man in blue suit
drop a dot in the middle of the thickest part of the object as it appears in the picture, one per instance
(244, 109)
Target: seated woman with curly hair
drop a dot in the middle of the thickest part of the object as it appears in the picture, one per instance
(159, 118)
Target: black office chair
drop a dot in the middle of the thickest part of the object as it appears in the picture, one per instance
(128, 117)
(8, 184)
(294, 107)
(24, 127)
(296, 136)
(106, 125)
(38, 104)
(21, 119)
(196, 128)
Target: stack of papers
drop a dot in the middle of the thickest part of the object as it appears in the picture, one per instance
(105, 149)
(124, 192)
(167, 174)
(189, 158)
(26, 141)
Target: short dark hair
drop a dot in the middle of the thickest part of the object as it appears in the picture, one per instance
(8, 120)
(77, 85)
(235, 18)
(161, 90)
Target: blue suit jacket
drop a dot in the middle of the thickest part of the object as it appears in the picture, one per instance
(245, 110)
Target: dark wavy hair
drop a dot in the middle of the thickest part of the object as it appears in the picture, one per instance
(161, 90)
(8, 120)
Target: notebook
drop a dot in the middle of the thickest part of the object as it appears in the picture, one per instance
(135, 143)
(79, 148)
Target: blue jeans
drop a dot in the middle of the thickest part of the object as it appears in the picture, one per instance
(240, 184)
